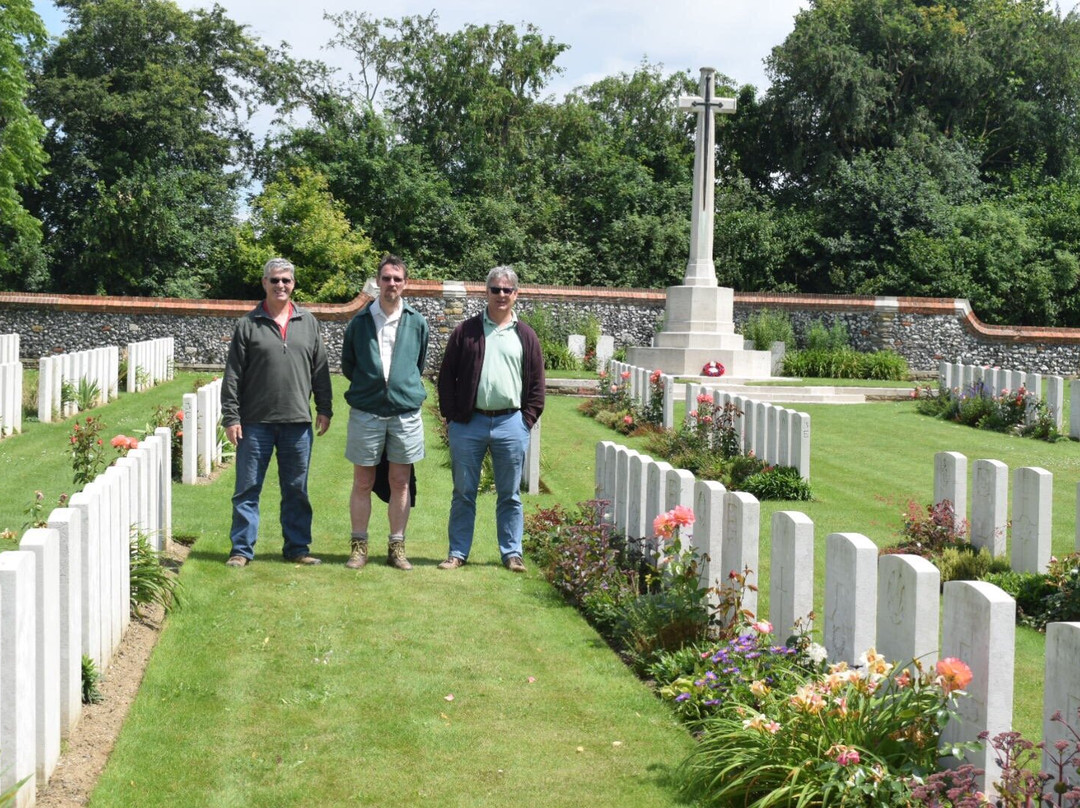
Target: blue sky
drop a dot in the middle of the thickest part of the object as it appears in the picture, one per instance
(605, 36)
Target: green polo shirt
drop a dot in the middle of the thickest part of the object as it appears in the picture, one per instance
(500, 378)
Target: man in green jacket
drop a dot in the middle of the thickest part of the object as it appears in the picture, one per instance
(383, 357)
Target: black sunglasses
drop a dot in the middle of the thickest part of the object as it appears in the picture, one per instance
(276, 281)
(504, 290)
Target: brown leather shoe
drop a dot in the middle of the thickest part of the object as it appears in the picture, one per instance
(358, 557)
(452, 563)
(515, 564)
(237, 561)
(395, 555)
(305, 560)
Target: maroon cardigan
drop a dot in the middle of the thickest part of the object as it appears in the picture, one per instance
(459, 374)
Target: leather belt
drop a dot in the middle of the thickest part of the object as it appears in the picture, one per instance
(493, 413)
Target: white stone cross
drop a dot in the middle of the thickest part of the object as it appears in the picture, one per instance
(700, 270)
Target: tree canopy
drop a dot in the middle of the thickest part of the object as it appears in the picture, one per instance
(904, 147)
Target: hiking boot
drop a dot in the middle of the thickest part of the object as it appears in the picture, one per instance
(358, 556)
(452, 563)
(395, 555)
(515, 564)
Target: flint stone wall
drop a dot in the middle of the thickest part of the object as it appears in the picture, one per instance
(924, 331)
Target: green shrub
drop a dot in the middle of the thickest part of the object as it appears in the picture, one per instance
(968, 564)
(151, 581)
(768, 326)
(778, 483)
(1030, 590)
(885, 365)
(828, 339)
(91, 693)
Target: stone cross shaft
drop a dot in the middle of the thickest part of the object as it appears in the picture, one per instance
(700, 270)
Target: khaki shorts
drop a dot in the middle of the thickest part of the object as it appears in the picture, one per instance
(401, 435)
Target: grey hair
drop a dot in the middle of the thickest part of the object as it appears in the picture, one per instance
(278, 264)
(503, 272)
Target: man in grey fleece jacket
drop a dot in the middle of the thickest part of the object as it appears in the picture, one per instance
(276, 362)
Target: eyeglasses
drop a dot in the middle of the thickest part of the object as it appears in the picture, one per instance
(276, 281)
(501, 290)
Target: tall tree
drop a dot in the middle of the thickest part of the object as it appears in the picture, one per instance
(146, 108)
(22, 158)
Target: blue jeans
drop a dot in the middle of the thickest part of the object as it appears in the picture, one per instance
(293, 443)
(507, 438)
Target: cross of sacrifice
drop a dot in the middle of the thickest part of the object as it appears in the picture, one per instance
(700, 269)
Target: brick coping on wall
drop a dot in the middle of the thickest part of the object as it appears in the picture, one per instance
(900, 306)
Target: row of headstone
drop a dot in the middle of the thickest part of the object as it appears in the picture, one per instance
(605, 349)
(893, 603)
(65, 593)
(201, 441)
(778, 435)
(99, 367)
(11, 386)
(9, 348)
(993, 382)
(150, 362)
(1032, 507)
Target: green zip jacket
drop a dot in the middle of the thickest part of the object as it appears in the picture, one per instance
(360, 363)
(270, 380)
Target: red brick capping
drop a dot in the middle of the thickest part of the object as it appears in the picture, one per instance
(939, 307)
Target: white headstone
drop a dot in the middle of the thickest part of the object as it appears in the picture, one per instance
(679, 489)
(86, 505)
(1061, 691)
(636, 527)
(67, 524)
(979, 628)
(532, 461)
(44, 543)
(950, 483)
(989, 505)
(791, 576)
(800, 444)
(18, 674)
(709, 533)
(622, 491)
(605, 349)
(1032, 519)
(909, 592)
(741, 542)
(1055, 399)
(655, 492)
(851, 575)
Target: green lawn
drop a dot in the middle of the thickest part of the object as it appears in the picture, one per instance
(280, 686)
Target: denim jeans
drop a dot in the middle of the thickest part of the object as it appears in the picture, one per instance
(507, 438)
(293, 444)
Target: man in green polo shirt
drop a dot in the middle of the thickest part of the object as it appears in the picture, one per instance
(491, 392)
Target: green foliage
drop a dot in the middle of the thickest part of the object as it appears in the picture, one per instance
(87, 451)
(87, 394)
(778, 482)
(151, 581)
(553, 338)
(296, 215)
(768, 326)
(968, 564)
(145, 106)
(843, 737)
(827, 339)
(22, 158)
(845, 363)
(1051, 597)
(91, 693)
(1016, 411)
